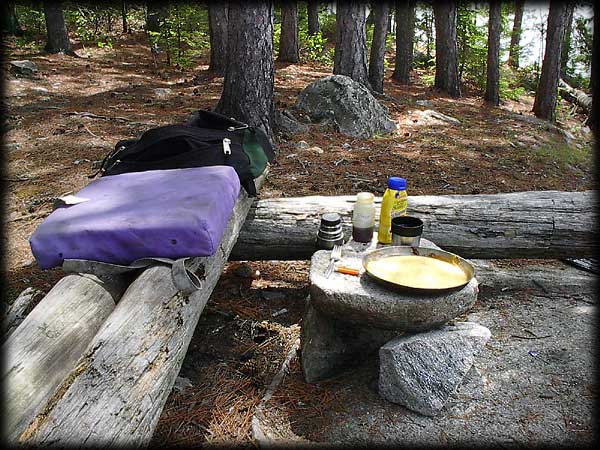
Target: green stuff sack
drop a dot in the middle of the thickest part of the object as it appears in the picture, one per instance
(258, 149)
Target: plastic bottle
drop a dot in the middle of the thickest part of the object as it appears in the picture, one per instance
(394, 203)
(363, 217)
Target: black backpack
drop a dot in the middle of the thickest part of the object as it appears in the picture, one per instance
(207, 139)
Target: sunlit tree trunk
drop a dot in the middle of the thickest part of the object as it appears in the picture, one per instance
(288, 42)
(381, 13)
(405, 36)
(57, 36)
(313, 17)
(492, 87)
(594, 118)
(515, 37)
(566, 48)
(545, 97)
(446, 51)
(351, 41)
(218, 13)
(249, 77)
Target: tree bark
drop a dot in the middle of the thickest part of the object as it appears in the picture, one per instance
(351, 41)
(156, 11)
(288, 43)
(217, 30)
(446, 51)
(57, 35)
(10, 24)
(492, 87)
(515, 36)
(18, 310)
(115, 395)
(594, 118)
(124, 16)
(566, 47)
(405, 36)
(545, 224)
(544, 104)
(381, 13)
(47, 344)
(250, 75)
(313, 17)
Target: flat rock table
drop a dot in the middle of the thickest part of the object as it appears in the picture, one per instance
(348, 317)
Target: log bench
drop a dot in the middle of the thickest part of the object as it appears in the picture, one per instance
(114, 395)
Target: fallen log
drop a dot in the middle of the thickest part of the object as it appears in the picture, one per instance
(18, 310)
(45, 347)
(575, 96)
(115, 395)
(536, 224)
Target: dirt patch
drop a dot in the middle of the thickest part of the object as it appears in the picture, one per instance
(62, 123)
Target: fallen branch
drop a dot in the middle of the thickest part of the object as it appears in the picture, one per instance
(575, 96)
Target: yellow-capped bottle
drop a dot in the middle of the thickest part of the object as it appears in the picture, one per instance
(394, 203)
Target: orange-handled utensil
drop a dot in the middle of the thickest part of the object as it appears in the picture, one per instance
(347, 270)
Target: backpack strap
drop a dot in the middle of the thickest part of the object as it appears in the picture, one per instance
(182, 270)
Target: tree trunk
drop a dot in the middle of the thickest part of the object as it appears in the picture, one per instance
(515, 36)
(351, 41)
(566, 48)
(405, 36)
(47, 344)
(10, 24)
(313, 16)
(115, 395)
(250, 74)
(381, 13)
(218, 30)
(492, 87)
(545, 224)
(124, 16)
(544, 104)
(288, 43)
(58, 38)
(156, 11)
(594, 118)
(446, 51)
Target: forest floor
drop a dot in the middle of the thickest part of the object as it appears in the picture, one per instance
(67, 118)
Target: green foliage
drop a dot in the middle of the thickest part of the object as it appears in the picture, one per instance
(183, 34)
(472, 45)
(313, 47)
(32, 22)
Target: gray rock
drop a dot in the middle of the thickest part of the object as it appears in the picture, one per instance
(25, 68)
(421, 371)
(359, 300)
(302, 144)
(284, 122)
(431, 114)
(346, 105)
(330, 346)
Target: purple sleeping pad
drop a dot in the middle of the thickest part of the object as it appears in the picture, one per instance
(158, 213)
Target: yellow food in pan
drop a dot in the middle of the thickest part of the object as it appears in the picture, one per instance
(418, 272)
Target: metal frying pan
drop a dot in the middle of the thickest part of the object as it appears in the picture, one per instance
(387, 252)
